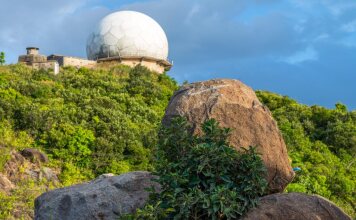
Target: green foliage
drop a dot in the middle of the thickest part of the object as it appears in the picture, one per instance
(71, 174)
(203, 177)
(10, 140)
(7, 205)
(70, 140)
(21, 199)
(102, 120)
(88, 121)
(2, 58)
(322, 142)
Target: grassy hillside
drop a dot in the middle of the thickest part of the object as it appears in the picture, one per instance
(322, 142)
(87, 121)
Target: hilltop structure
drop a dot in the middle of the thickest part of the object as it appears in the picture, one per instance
(130, 38)
(38, 61)
(127, 37)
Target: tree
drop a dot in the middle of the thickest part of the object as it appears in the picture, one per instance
(2, 58)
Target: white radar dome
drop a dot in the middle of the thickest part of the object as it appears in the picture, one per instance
(127, 34)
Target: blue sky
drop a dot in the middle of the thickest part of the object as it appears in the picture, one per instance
(305, 49)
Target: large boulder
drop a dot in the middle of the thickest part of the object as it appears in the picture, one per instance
(235, 105)
(107, 197)
(295, 206)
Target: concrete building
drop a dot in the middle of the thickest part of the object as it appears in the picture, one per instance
(38, 61)
(151, 63)
(72, 61)
(54, 62)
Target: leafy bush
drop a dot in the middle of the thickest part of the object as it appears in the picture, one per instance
(203, 177)
(7, 205)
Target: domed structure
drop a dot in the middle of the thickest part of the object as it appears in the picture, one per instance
(130, 38)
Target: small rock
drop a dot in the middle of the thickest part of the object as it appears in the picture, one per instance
(34, 155)
(48, 174)
(5, 184)
(295, 206)
(33, 174)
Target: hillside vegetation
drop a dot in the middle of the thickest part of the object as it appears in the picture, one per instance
(322, 142)
(91, 122)
(88, 122)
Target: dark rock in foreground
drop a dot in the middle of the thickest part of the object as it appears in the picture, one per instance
(107, 197)
(295, 206)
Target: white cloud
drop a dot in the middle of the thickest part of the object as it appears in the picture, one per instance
(338, 8)
(308, 54)
(214, 32)
(334, 8)
(322, 37)
(193, 11)
(349, 41)
(54, 26)
(349, 27)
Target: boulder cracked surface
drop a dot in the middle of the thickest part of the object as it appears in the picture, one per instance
(106, 197)
(235, 105)
(295, 206)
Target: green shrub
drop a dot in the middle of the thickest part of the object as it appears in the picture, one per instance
(203, 177)
(7, 205)
(70, 144)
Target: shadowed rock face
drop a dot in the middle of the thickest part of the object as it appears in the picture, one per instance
(34, 155)
(107, 197)
(295, 206)
(235, 105)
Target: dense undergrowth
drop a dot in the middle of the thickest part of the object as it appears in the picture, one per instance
(89, 122)
(322, 142)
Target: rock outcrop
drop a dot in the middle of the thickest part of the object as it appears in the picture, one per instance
(17, 174)
(18, 168)
(235, 105)
(107, 197)
(295, 206)
(34, 155)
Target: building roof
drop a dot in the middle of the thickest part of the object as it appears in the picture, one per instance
(34, 48)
